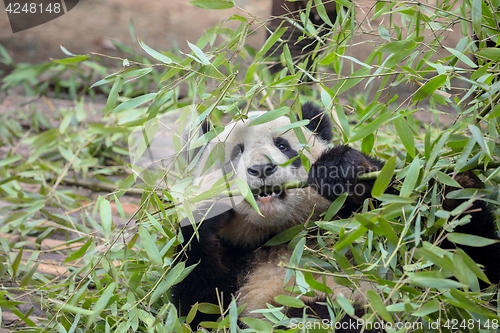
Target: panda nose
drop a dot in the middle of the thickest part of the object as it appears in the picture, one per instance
(262, 170)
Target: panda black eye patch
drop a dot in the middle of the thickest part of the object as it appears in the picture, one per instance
(236, 151)
(283, 146)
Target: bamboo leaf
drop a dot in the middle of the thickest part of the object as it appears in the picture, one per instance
(135, 102)
(170, 279)
(427, 308)
(429, 87)
(270, 116)
(203, 59)
(470, 240)
(384, 178)
(258, 325)
(213, 4)
(72, 60)
(106, 216)
(490, 53)
(289, 301)
(406, 135)
(155, 54)
(349, 239)
(410, 179)
(478, 135)
(247, 194)
(378, 305)
(150, 247)
(80, 253)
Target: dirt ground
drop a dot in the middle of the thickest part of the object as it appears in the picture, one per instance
(93, 24)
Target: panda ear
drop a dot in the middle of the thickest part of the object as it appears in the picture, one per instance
(319, 121)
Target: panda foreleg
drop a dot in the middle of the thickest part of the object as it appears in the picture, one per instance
(213, 273)
(266, 280)
(337, 171)
(482, 223)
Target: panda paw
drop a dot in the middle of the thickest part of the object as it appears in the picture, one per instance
(337, 171)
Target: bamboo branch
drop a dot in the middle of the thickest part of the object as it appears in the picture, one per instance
(444, 168)
(487, 108)
(104, 187)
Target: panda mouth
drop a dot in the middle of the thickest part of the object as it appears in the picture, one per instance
(269, 192)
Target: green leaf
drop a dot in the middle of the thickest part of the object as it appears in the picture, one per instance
(16, 262)
(103, 301)
(208, 308)
(322, 12)
(289, 301)
(80, 253)
(315, 284)
(167, 282)
(203, 59)
(149, 246)
(28, 276)
(335, 206)
(445, 179)
(233, 317)
(72, 60)
(477, 16)
(406, 135)
(106, 217)
(72, 308)
(349, 238)
(213, 4)
(384, 178)
(247, 193)
(295, 124)
(368, 143)
(433, 280)
(285, 236)
(410, 179)
(378, 305)
(470, 240)
(135, 102)
(367, 129)
(9, 160)
(270, 42)
(258, 325)
(478, 135)
(297, 252)
(428, 308)
(462, 57)
(349, 82)
(155, 54)
(432, 256)
(490, 53)
(398, 46)
(472, 265)
(345, 304)
(270, 116)
(429, 87)
(114, 93)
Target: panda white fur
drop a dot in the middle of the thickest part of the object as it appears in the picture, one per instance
(228, 252)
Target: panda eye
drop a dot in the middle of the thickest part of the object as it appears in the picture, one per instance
(281, 144)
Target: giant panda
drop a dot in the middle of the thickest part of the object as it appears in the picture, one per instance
(226, 247)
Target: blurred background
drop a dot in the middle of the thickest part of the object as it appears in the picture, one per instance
(93, 25)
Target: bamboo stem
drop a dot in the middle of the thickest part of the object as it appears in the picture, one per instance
(104, 187)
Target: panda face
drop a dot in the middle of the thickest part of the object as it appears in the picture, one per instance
(266, 156)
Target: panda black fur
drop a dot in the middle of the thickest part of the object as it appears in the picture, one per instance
(228, 252)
